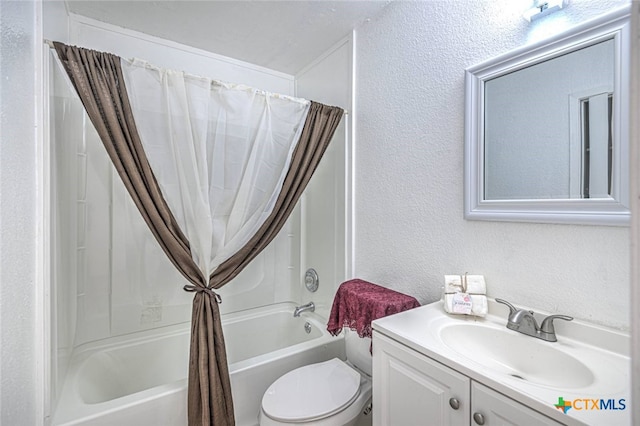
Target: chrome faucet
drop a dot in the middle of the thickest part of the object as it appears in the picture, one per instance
(300, 309)
(524, 322)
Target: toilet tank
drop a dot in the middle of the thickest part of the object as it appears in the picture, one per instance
(358, 351)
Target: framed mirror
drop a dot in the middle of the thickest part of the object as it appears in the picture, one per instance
(547, 129)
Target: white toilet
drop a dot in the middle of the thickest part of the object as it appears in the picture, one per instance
(330, 393)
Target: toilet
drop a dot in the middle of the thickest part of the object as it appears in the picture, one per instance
(330, 393)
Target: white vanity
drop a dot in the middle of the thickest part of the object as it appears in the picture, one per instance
(432, 368)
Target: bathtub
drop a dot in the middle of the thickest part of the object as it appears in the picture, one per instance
(141, 379)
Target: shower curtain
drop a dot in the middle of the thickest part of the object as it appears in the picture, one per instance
(215, 170)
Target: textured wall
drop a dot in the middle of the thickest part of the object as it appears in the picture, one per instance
(18, 379)
(410, 229)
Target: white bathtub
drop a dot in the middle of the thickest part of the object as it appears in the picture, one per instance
(140, 379)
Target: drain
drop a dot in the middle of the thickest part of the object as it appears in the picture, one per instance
(307, 327)
(517, 377)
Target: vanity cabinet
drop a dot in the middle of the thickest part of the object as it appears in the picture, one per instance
(411, 389)
(496, 409)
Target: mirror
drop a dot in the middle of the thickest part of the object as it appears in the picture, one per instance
(546, 129)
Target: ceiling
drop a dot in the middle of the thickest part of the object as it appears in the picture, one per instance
(281, 35)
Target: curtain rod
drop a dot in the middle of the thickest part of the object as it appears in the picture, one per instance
(50, 44)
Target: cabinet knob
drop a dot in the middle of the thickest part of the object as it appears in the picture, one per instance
(454, 403)
(478, 418)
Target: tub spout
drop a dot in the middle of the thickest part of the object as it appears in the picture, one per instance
(300, 309)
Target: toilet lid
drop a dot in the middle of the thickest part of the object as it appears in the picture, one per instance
(312, 392)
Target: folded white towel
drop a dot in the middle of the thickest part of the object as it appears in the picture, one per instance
(479, 306)
(472, 284)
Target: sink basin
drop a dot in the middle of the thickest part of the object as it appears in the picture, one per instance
(587, 361)
(517, 355)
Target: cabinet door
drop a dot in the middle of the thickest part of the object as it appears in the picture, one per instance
(409, 389)
(496, 409)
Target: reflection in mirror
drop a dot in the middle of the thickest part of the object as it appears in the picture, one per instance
(595, 146)
(546, 129)
(528, 151)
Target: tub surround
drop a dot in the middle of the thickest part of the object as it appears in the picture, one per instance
(141, 378)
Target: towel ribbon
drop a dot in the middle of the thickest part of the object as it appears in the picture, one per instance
(192, 288)
(463, 282)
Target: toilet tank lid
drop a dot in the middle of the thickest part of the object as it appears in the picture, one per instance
(312, 392)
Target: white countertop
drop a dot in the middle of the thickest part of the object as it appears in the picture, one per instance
(604, 351)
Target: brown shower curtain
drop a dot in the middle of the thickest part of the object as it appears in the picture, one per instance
(97, 78)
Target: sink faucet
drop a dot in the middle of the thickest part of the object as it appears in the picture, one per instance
(300, 309)
(524, 322)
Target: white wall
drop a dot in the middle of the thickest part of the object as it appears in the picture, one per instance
(409, 119)
(20, 381)
(63, 122)
(66, 119)
(326, 201)
(634, 155)
(128, 44)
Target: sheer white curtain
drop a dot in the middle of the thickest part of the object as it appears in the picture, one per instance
(219, 152)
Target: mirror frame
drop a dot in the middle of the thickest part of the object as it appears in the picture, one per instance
(614, 211)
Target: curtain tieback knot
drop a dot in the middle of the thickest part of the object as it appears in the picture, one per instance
(192, 288)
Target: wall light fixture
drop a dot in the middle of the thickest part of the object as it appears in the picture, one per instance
(542, 8)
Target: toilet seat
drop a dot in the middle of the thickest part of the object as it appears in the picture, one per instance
(312, 392)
